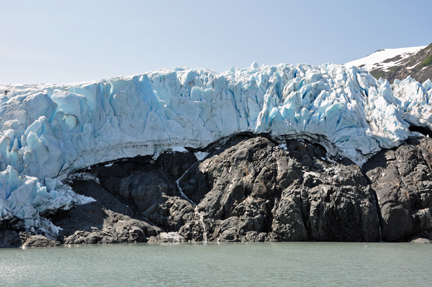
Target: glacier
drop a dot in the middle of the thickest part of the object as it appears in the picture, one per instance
(48, 131)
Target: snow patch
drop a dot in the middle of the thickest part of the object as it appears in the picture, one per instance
(83, 176)
(200, 155)
(174, 237)
(283, 146)
(311, 173)
(179, 149)
(376, 60)
(47, 228)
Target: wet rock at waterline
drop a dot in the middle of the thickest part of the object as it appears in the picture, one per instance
(37, 241)
(10, 238)
(420, 240)
(167, 237)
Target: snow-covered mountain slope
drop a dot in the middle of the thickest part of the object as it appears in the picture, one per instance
(392, 64)
(48, 131)
(384, 59)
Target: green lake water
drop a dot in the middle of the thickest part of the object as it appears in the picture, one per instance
(253, 264)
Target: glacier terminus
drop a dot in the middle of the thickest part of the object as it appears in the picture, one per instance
(48, 131)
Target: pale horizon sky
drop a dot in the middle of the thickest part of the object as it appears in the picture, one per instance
(74, 41)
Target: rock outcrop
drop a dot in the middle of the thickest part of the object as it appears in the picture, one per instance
(136, 200)
(105, 221)
(247, 190)
(402, 180)
(250, 189)
(258, 191)
(30, 241)
(10, 238)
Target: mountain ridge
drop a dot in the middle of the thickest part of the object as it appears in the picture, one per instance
(398, 64)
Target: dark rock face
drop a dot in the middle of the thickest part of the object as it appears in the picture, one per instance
(402, 180)
(135, 200)
(176, 163)
(248, 190)
(154, 194)
(260, 192)
(105, 221)
(9, 238)
(251, 189)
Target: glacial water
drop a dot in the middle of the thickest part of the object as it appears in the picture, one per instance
(256, 264)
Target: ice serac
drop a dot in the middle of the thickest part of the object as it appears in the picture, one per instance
(48, 131)
(25, 198)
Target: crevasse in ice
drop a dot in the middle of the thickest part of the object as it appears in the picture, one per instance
(48, 130)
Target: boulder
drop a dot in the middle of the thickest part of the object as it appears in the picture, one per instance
(37, 241)
(420, 240)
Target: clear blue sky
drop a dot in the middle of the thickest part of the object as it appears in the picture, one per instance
(71, 41)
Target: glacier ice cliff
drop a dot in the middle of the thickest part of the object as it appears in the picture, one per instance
(48, 131)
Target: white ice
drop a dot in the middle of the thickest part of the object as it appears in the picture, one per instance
(25, 198)
(48, 131)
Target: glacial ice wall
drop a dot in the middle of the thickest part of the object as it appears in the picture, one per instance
(26, 199)
(48, 131)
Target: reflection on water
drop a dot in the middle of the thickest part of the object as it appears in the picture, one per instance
(253, 264)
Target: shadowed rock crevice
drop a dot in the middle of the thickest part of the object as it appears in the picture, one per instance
(423, 130)
(107, 220)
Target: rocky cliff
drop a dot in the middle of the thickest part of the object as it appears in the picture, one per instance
(250, 189)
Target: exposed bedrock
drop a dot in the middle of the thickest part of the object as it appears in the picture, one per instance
(136, 200)
(252, 189)
(108, 220)
(37, 241)
(247, 190)
(402, 180)
(258, 191)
